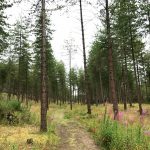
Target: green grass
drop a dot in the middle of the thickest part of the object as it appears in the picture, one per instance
(15, 137)
(114, 136)
(110, 134)
(11, 105)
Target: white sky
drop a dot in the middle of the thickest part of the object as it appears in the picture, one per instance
(66, 26)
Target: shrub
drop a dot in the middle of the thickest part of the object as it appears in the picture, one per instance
(114, 136)
(12, 105)
(9, 106)
(21, 113)
(24, 116)
(68, 115)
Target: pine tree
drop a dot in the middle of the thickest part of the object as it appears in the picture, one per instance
(112, 86)
(87, 96)
(21, 48)
(3, 33)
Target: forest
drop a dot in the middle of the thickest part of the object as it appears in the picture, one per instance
(104, 104)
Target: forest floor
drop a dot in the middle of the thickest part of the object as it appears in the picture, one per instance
(63, 133)
(67, 129)
(72, 135)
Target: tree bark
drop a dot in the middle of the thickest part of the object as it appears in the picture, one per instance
(43, 74)
(135, 72)
(70, 79)
(85, 66)
(112, 87)
(101, 85)
(145, 82)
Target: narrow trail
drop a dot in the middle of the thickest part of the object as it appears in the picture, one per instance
(72, 136)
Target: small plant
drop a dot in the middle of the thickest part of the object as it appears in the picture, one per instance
(12, 105)
(115, 136)
(9, 107)
(13, 112)
(67, 115)
(53, 139)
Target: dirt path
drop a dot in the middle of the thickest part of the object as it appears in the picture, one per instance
(72, 136)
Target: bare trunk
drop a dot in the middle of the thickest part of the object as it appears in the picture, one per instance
(135, 72)
(101, 85)
(112, 87)
(145, 82)
(43, 74)
(19, 68)
(123, 88)
(85, 66)
(70, 79)
(125, 78)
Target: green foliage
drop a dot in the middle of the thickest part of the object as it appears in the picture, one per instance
(9, 106)
(110, 134)
(68, 115)
(53, 139)
(114, 136)
(3, 34)
(14, 147)
(51, 129)
(21, 113)
(34, 119)
(12, 105)
(25, 116)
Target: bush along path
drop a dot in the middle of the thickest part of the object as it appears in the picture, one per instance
(72, 135)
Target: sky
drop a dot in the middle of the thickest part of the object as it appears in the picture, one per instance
(66, 26)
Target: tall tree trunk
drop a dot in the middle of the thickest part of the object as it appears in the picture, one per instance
(70, 79)
(112, 87)
(145, 82)
(123, 88)
(43, 74)
(138, 78)
(85, 66)
(125, 78)
(101, 85)
(26, 85)
(19, 67)
(135, 72)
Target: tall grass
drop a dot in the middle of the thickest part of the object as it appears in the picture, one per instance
(110, 134)
(115, 136)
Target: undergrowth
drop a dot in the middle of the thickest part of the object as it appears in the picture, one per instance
(114, 136)
(110, 134)
(15, 137)
(21, 114)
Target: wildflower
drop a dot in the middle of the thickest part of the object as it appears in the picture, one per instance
(120, 116)
(145, 112)
(147, 133)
